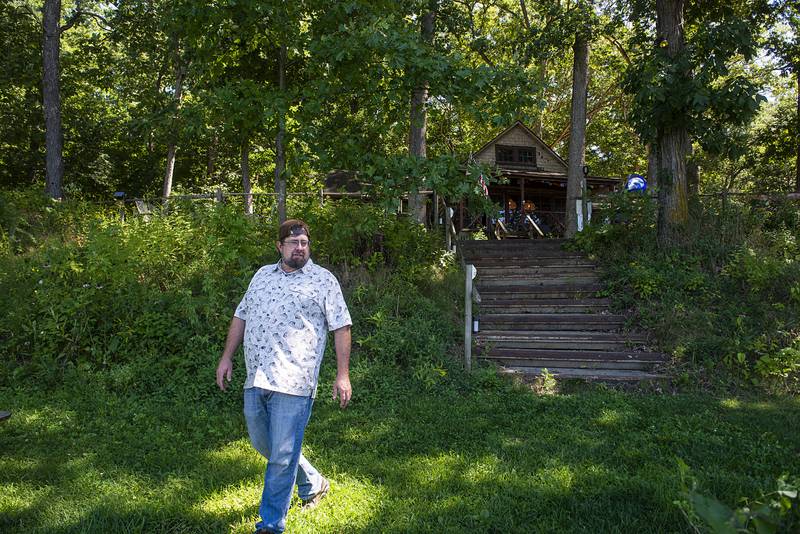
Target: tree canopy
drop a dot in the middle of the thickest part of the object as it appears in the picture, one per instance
(143, 81)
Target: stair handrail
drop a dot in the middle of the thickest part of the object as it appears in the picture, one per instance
(450, 234)
(498, 227)
(531, 221)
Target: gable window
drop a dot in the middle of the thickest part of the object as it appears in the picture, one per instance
(504, 154)
(515, 156)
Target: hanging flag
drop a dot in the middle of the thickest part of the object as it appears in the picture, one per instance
(483, 185)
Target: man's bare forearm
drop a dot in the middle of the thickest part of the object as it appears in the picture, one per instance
(342, 341)
(235, 337)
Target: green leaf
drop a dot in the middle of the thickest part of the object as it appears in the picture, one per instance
(718, 516)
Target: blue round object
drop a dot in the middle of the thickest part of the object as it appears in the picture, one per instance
(636, 182)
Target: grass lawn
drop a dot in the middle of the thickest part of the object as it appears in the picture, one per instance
(470, 454)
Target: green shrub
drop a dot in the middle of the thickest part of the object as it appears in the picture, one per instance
(354, 234)
(728, 294)
(773, 512)
(148, 303)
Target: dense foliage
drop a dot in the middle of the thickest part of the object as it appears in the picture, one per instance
(112, 330)
(728, 296)
(147, 300)
(351, 69)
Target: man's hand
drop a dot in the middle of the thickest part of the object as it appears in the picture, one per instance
(225, 366)
(341, 387)
(224, 372)
(342, 390)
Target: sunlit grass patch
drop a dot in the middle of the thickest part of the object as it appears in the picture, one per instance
(233, 499)
(496, 459)
(350, 506)
(732, 404)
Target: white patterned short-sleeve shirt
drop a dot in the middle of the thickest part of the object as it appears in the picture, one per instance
(287, 319)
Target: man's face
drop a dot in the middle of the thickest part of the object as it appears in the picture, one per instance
(295, 250)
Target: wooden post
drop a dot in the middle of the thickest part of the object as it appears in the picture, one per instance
(505, 207)
(218, 196)
(448, 224)
(321, 198)
(470, 274)
(521, 206)
(435, 211)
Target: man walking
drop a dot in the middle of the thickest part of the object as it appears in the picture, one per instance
(284, 319)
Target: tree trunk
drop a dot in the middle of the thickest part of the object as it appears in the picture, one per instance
(51, 98)
(172, 147)
(246, 187)
(538, 126)
(280, 149)
(673, 205)
(211, 158)
(418, 124)
(576, 181)
(797, 132)
(673, 141)
(652, 167)
(692, 175)
(34, 145)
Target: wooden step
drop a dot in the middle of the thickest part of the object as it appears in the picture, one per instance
(556, 280)
(541, 290)
(523, 258)
(573, 364)
(521, 243)
(500, 341)
(543, 261)
(569, 355)
(616, 375)
(534, 271)
(511, 336)
(524, 320)
(499, 306)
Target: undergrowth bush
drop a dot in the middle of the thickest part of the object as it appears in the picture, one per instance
(146, 304)
(727, 295)
(354, 234)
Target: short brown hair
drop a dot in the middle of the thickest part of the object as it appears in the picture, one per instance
(292, 227)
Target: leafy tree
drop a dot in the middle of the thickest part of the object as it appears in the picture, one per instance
(51, 97)
(683, 88)
(784, 42)
(576, 185)
(21, 133)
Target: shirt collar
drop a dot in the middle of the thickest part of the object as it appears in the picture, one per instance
(304, 269)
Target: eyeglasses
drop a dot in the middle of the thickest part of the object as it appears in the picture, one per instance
(294, 243)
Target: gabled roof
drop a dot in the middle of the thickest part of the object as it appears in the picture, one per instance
(539, 140)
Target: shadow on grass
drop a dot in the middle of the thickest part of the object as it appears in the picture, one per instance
(504, 460)
(466, 455)
(92, 461)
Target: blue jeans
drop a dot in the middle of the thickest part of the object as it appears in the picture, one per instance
(276, 423)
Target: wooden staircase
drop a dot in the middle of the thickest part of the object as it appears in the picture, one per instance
(539, 310)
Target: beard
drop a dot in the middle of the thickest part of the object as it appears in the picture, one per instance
(296, 261)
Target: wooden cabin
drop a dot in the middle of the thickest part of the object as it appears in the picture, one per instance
(535, 179)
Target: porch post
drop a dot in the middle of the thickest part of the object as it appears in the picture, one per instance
(470, 274)
(435, 211)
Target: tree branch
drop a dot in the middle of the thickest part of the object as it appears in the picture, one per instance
(525, 14)
(76, 17)
(619, 48)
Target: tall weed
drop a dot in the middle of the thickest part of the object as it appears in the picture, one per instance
(147, 303)
(727, 295)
